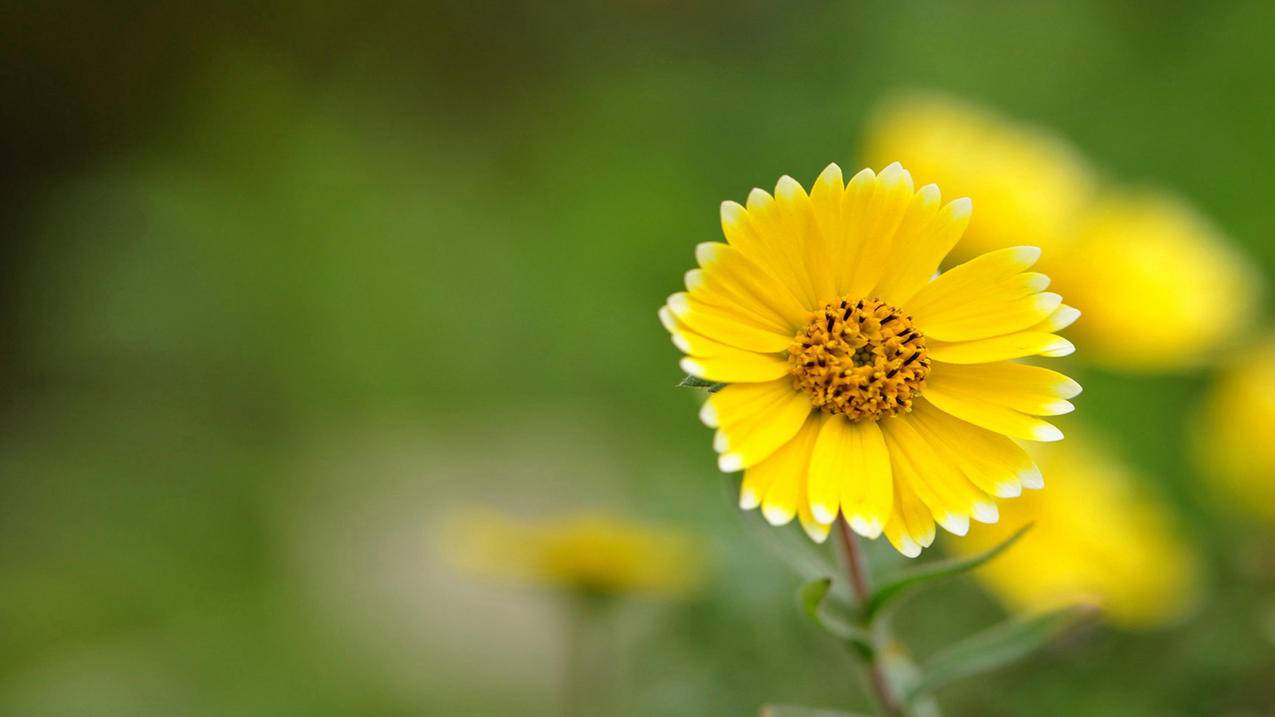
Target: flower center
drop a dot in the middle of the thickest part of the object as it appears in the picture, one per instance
(862, 359)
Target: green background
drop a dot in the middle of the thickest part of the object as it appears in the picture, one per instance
(284, 289)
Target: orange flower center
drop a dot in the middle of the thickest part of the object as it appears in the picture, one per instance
(861, 359)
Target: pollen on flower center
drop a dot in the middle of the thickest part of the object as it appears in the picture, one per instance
(862, 359)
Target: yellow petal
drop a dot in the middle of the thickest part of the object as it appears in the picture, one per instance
(850, 472)
(736, 365)
(873, 207)
(746, 439)
(728, 272)
(950, 497)
(987, 296)
(727, 325)
(991, 461)
(910, 527)
(777, 483)
(923, 239)
(1000, 348)
(989, 415)
(1029, 389)
(1062, 317)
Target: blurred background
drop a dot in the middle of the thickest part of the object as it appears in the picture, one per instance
(287, 288)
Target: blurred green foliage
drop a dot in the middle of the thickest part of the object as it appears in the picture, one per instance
(282, 285)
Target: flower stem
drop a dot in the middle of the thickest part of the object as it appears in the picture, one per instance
(857, 569)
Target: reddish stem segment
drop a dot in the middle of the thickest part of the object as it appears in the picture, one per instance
(858, 572)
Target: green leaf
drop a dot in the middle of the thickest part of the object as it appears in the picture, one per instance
(693, 382)
(899, 585)
(798, 711)
(832, 616)
(997, 647)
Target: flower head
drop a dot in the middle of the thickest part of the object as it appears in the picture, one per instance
(859, 384)
(591, 552)
(1234, 446)
(1095, 539)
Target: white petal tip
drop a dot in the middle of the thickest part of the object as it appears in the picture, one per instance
(1032, 479)
(732, 212)
(708, 414)
(748, 499)
(869, 528)
(1047, 433)
(1058, 349)
(757, 198)
(690, 366)
(830, 174)
(775, 515)
(908, 548)
(788, 188)
(679, 304)
(721, 443)
(822, 513)
(1058, 408)
(693, 279)
(1065, 316)
(1009, 489)
(956, 524)
(816, 532)
(960, 208)
(1027, 255)
(666, 318)
(730, 463)
(986, 513)
(681, 343)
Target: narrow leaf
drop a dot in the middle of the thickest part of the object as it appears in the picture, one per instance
(997, 647)
(898, 585)
(798, 711)
(693, 382)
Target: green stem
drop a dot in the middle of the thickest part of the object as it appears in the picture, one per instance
(856, 568)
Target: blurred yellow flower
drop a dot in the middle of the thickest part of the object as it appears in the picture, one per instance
(1028, 185)
(1137, 265)
(591, 552)
(860, 385)
(1138, 269)
(1236, 446)
(1096, 539)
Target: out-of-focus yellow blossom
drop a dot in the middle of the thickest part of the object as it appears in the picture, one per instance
(1236, 447)
(1096, 539)
(1159, 288)
(1027, 185)
(589, 552)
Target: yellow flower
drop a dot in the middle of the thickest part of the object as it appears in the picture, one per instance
(860, 385)
(1137, 268)
(1029, 185)
(1236, 449)
(1095, 539)
(590, 552)
(1136, 264)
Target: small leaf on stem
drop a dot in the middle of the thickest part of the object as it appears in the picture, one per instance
(997, 647)
(898, 585)
(831, 616)
(693, 382)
